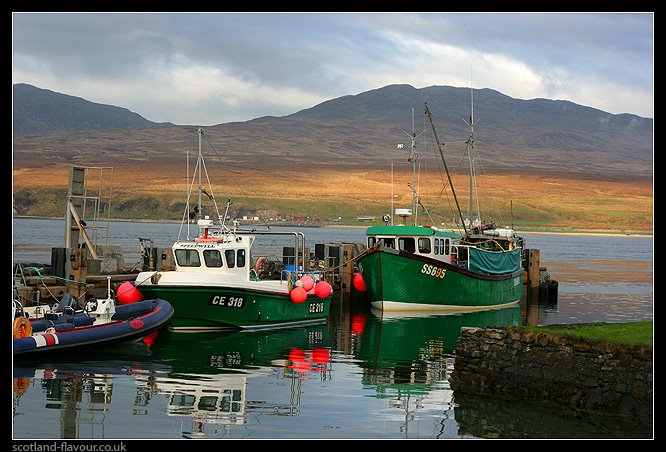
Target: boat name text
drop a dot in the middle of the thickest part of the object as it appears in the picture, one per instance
(316, 307)
(226, 300)
(437, 272)
(198, 245)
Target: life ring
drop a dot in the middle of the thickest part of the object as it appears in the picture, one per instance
(22, 328)
(261, 267)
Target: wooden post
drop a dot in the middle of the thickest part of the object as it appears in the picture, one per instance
(533, 270)
(346, 267)
(79, 274)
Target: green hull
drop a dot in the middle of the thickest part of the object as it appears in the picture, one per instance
(400, 281)
(200, 308)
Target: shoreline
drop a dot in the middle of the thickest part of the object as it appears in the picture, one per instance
(609, 233)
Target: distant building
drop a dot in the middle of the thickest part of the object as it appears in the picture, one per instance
(247, 215)
(365, 219)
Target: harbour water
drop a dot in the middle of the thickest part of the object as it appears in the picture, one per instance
(363, 375)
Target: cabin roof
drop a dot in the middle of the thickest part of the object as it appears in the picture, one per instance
(420, 231)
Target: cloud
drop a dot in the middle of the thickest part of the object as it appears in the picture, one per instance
(211, 68)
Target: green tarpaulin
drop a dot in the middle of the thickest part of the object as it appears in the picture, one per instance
(494, 262)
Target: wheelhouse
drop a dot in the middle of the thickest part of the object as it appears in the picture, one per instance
(218, 253)
(422, 240)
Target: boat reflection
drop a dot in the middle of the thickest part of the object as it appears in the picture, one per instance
(208, 376)
(408, 357)
(204, 377)
(79, 393)
(411, 349)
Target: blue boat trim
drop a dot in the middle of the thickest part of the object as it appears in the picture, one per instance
(133, 323)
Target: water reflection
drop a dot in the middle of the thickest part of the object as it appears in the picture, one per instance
(407, 359)
(203, 379)
(366, 374)
(499, 417)
(78, 395)
(208, 376)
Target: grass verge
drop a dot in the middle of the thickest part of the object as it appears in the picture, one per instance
(631, 333)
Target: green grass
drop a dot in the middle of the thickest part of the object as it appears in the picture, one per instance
(632, 333)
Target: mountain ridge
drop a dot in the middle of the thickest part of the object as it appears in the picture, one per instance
(42, 110)
(361, 129)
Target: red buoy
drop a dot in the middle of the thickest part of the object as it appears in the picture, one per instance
(308, 282)
(127, 293)
(358, 282)
(298, 295)
(323, 289)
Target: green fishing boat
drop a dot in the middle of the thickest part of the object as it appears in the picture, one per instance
(416, 267)
(216, 283)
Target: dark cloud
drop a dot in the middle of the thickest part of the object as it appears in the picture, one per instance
(291, 60)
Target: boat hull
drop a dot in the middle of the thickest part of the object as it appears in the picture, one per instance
(131, 322)
(400, 281)
(206, 308)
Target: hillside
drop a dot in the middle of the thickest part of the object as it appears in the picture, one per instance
(514, 135)
(37, 110)
(551, 164)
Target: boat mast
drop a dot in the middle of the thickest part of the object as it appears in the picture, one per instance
(448, 175)
(472, 168)
(412, 158)
(199, 163)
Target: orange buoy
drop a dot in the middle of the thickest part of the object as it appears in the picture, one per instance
(127, 293)
(323, 289)
(358, 282)
(22, 328)
(308, 282)
(298, 295)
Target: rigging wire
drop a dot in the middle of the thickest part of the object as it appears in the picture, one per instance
(247, 198)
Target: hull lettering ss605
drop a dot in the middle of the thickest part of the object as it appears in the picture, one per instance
(437, 272)
(227, 301)
(316, 308)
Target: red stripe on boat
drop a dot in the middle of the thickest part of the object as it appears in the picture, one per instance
(153, 312)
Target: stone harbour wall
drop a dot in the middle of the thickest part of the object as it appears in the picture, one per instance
(604, 377)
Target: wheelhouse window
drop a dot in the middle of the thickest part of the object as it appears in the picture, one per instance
(371, 241)
(388, 242)
(212, 258)
(424, 245)
(230, 257)
(240, 258)
(439, 246)
(188, 258)
(447, 244)
(407, 244)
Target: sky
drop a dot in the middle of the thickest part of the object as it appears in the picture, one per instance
(212, 68)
